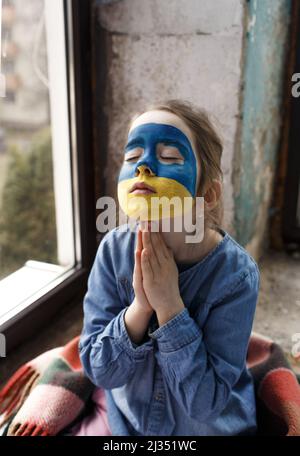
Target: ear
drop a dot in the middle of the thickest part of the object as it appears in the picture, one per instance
(212, 195)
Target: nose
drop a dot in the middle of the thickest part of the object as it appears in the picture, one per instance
(144, 170)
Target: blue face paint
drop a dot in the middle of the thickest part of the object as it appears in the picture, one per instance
(147, 136)
(149, 166)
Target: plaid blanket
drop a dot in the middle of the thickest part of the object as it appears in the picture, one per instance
(51, 392)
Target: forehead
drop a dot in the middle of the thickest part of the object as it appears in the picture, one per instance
(156, 132)
(166, 118)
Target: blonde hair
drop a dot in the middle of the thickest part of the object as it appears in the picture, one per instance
(208, 144)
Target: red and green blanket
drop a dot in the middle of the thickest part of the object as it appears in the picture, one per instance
(50, 393)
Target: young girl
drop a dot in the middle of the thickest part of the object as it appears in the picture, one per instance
(166, 322)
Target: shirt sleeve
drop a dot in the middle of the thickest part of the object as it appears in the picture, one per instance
(201, 365)
(107, 354)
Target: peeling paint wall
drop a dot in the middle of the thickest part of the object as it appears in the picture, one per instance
(163, 49)
(255, 160)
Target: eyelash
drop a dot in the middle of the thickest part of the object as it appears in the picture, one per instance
(131, 158)
(162, 158)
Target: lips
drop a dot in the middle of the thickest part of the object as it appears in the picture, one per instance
(141, 188)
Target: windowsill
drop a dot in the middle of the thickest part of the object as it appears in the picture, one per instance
(27, 284)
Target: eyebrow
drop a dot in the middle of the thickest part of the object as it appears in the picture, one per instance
(176, 143)
(139, 141)
(135, 142)
(172, 142)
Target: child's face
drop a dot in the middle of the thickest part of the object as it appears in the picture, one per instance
(160, 153)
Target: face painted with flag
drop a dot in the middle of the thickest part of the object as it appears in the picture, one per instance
(159, 164)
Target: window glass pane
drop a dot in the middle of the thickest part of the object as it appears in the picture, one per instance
(36, 220)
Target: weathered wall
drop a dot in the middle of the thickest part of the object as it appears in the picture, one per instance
(261, 112)
(197, 51)
(162, 49)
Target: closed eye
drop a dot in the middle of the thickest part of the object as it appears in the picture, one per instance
(169, 153)
(133, 154)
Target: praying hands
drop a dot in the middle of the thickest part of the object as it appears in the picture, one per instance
(155, 277)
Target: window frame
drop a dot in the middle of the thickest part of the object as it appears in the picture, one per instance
(78, 35)
(290, 225)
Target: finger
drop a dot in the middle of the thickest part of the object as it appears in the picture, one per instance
(160, 247)
(138, 270)
(29, 429)
(138, 276)
(139, 242)
(39, 431)
(158, 238)
(147, 243)
(165, 248)
(157, 248)
(135, 265)
(19, 429)
(146, 266)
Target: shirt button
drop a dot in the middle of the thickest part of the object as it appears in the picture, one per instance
(158, 397)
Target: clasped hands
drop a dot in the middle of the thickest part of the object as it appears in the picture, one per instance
(155, 277)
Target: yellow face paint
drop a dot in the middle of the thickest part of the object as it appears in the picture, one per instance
(154, 206)
(174, 183)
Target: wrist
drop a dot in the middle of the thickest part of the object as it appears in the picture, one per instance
(140, 309)
(166, 314)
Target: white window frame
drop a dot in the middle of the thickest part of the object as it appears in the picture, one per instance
(35, 278)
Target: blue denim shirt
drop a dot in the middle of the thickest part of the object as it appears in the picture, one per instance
(188, 376)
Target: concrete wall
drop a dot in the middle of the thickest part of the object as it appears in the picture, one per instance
(161, 49)
(195, 50)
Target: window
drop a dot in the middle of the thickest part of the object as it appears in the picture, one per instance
(44, 250)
